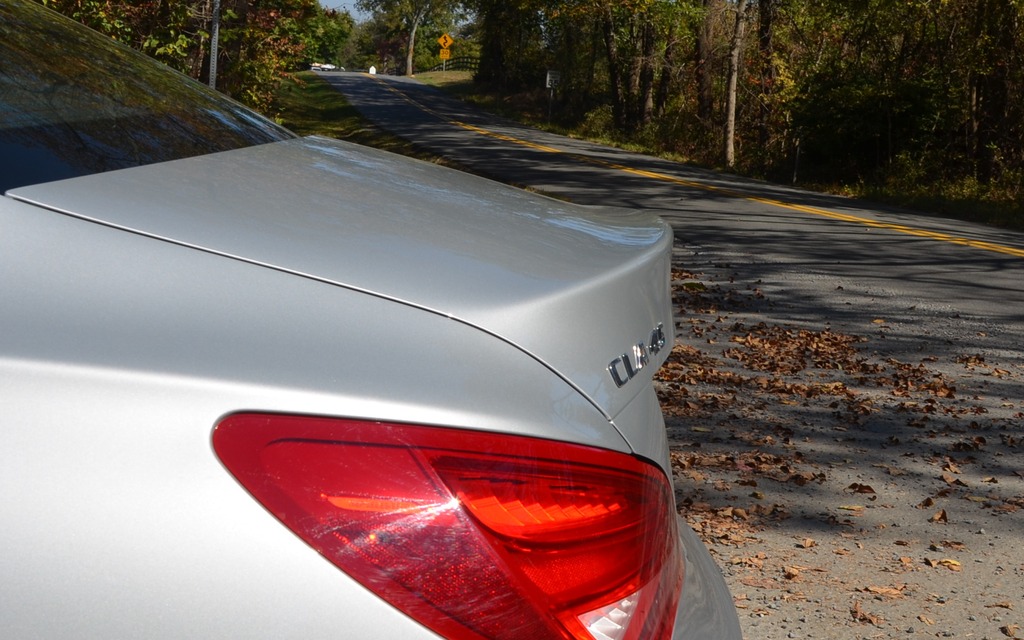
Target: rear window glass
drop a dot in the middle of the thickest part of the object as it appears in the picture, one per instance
(74, 102)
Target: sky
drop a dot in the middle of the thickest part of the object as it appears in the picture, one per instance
(345, 5)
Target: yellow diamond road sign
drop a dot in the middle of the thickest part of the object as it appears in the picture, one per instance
(445, 41)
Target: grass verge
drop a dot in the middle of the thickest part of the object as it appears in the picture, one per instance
(310, 106)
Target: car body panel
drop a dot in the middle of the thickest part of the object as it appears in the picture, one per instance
(706, 611)
(107, 464)
(518, 266)
(116, 300)
(119, 522)
(169, 286)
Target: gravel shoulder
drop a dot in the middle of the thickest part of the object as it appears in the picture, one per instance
(854, 464)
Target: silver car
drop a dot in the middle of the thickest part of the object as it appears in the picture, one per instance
(261, 386)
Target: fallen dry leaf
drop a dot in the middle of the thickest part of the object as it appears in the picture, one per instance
(952, 480)
(862, 616)
(856, 487)
(891, 592)
(950, 564)
(940, 516)
(1000, 605)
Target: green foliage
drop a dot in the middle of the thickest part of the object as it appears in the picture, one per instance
(260, 40)
(324, 36)
(873, 96)
(414, 25)
(96, 14)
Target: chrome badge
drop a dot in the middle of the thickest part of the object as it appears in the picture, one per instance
(625, 367)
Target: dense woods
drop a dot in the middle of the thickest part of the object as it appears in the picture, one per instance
(915, 92)
(916, 97)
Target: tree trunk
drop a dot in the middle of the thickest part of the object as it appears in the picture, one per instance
(646, 97)
(614, 70)
(668, 64)
(734, 72)
(704, 53)
(769, 73)
(997, 24)
(420, 13)
(411, 46)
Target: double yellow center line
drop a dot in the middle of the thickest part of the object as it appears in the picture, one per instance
(664, 177)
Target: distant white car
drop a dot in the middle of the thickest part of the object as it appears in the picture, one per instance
(260, 386)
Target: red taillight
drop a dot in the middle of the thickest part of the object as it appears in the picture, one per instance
(475, 535)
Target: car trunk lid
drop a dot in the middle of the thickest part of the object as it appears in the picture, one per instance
(583, 290)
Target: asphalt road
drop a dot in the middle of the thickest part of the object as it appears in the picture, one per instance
(941, 298)
(941, 266)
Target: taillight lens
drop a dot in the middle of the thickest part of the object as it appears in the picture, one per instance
(473, 534)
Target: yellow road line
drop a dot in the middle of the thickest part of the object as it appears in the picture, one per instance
(664, 177)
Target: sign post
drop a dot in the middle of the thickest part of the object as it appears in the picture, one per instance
(551, 82)
(214, 38)
(446, 53)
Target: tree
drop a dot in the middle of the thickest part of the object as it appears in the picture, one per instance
(734, 71)
(326, 34)
(704, 54)
(409, 14)
(512, 46)
(260, 39)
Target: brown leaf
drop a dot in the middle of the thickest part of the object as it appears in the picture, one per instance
(891, 592)
(952, 565)
(951, 480)
(940, 516)
(1000, 605)
(860, 488)
(1010, 630)
(862, 616)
